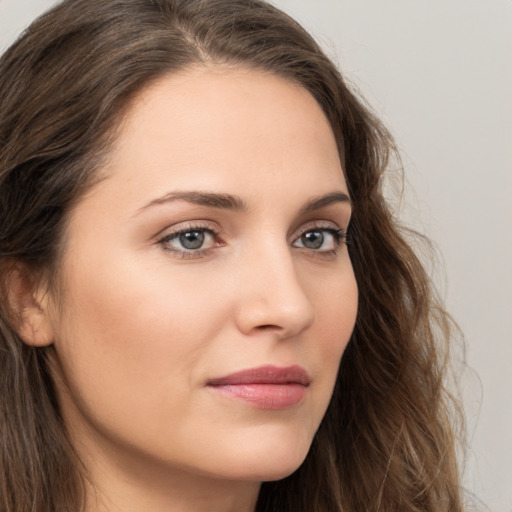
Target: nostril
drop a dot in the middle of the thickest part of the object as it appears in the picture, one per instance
(268, 327)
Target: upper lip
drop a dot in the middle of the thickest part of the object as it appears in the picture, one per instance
(268, 374)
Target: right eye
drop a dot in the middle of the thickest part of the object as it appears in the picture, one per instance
(190, 241)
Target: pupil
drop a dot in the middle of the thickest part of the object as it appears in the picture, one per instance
(313, 239)
(192, 239)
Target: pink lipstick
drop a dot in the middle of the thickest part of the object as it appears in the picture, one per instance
(265, 387)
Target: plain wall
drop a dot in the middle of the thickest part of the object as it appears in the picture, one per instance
(440, 76)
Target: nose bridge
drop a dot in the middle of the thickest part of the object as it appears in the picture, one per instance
(275, 297)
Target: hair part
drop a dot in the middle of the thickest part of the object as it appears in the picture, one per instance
(386, 442)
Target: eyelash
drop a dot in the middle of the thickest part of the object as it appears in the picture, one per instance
(339, 237)
(190, 253)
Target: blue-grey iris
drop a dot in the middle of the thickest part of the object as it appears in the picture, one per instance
(192, 239)
(312, 239)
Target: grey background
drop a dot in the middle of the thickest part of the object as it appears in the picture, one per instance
(440, 75)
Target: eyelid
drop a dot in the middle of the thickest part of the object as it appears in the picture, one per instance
(337, 234)
(318, 224)
(165, 236)
(183, 227)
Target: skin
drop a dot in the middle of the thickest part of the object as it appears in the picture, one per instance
(141, 324)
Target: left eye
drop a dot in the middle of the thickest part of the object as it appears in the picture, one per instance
(320, 239)
(190, 240)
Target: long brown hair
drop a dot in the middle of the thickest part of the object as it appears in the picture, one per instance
(386, 442)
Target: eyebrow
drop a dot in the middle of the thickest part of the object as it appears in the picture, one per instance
(211, 199)
(322, 201)
(235, 203)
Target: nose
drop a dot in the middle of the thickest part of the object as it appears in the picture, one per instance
(272, 298)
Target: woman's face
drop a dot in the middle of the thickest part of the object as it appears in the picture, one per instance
(207, 295)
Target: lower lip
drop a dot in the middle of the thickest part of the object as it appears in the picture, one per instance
(265, 396)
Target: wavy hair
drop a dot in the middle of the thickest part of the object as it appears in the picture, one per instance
(386, 443)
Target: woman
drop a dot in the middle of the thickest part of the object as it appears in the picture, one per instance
(206, 304)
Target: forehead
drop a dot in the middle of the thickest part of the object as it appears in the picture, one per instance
(218, 128)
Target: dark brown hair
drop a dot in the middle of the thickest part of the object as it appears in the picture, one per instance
(386, 443)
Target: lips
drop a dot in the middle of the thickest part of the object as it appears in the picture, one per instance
(266, 387)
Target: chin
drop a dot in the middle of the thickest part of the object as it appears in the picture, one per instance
(267, 459)
(280, 471)
(269, 470)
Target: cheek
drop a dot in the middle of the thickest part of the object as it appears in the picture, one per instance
(337, 313)
(132, 299)
(136, 331)
(335, 299)
(336, 310)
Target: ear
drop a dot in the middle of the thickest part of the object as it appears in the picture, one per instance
(28, 304)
